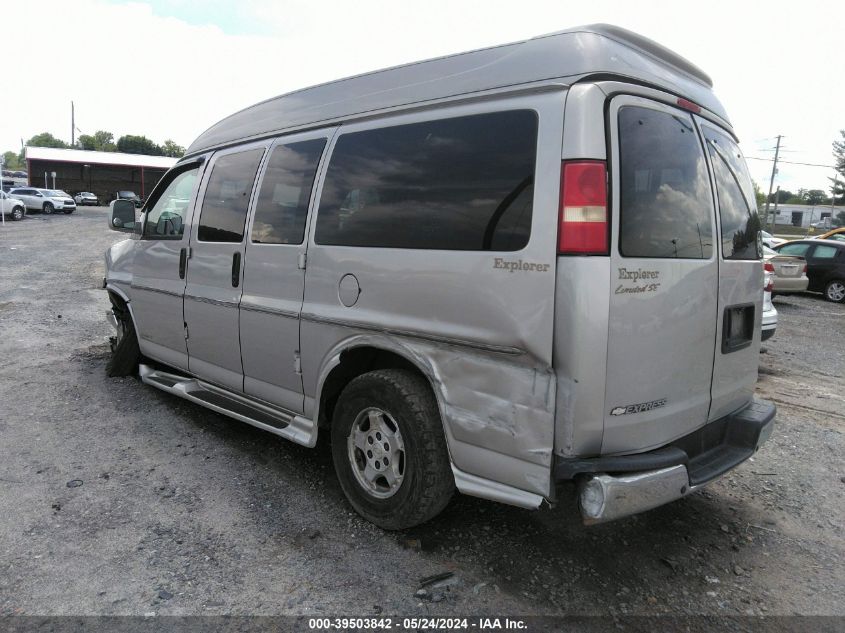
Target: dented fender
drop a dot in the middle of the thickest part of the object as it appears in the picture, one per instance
(497, 410)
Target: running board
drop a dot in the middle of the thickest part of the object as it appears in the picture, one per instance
(238, 406)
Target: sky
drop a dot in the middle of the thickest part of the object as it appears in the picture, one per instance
(169, 69)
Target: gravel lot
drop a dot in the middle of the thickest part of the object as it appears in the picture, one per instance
(116, 498)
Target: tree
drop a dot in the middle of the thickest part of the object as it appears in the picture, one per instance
(170, 148)
(838, 186)
(815, 196)
(100, 141)
(45, 139)
(131, 144)
(782, 196)
(759, 196)
(11, 161)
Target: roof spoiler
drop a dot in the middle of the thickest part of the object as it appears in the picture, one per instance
(649, 47)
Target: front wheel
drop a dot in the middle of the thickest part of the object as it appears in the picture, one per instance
(17, 213)
(835, 291)
(48, 208)
(389, 450)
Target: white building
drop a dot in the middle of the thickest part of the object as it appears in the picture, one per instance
(802, 214)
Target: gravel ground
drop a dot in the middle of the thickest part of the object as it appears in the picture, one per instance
(116, 498)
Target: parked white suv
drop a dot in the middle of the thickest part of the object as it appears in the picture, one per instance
(494, 272)
(11, 205)
(45, 200)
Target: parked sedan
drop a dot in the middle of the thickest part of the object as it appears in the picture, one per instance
(46, 200)
(825, 265)
(86, 197)
(789, 271)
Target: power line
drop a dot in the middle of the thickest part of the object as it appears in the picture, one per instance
(789, 162)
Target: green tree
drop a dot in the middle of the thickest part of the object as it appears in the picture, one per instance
(782, 196)
(759, 196)
(838, 186)
(100, 141)
(11, 161)
(815, 196)
(45, 139)
(131, 144)
(170, 148)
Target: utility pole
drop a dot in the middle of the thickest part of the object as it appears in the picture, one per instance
(772, 182)
(73, 128)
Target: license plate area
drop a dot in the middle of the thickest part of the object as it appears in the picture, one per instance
(737, 327)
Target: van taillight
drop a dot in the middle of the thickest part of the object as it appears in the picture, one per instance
(582, 228)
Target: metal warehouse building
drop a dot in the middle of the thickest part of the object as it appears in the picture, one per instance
(102, 173)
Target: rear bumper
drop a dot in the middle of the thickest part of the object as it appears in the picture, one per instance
(786, 284)
(618, 486)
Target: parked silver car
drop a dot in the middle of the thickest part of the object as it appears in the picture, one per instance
(45, 200)
(12, 206)
(493, 272)
(86, 197)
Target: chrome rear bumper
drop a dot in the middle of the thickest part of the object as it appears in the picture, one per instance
(613, 487)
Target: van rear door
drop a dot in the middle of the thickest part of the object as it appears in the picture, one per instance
(740, 276)
(664, 278)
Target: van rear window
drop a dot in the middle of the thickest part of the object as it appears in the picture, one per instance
(665, 196)
(464, 183)
(737, 205)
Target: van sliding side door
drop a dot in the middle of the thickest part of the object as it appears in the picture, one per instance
(274, 270)
(215, 267)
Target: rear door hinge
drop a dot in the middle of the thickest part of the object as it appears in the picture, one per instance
(297, 363)
(303, 257)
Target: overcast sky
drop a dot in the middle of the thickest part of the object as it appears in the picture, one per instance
(171, 68)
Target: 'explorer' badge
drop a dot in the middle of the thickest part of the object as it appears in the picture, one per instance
(639, 408)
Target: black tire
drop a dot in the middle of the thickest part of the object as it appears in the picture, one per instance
(48, 208)
(426, 482)
(835, 291)
(17, 213)
(125, 351)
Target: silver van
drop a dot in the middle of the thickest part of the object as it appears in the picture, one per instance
(493, 272)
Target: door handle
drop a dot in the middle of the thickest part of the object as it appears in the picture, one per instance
(183, 262)
(236, 270)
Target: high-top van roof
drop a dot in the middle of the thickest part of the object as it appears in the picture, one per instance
(565, 58)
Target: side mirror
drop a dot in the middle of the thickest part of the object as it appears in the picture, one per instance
(122, 216)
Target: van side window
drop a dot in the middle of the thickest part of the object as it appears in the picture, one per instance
(282, 205)
(226, 198)
(464, 183)
(737, 205)
(166, 218)
(665, 202)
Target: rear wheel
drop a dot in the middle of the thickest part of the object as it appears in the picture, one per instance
(125, 351)
(17, 213)
(389, 450)
(835, 291)
(48, 208)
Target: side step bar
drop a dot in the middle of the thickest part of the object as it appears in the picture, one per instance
(238, 406)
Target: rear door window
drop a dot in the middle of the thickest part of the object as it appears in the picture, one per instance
(226, 200)
(282, 205)
(737, 205)
(465, 183)
(665, 196)
(794, 249)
